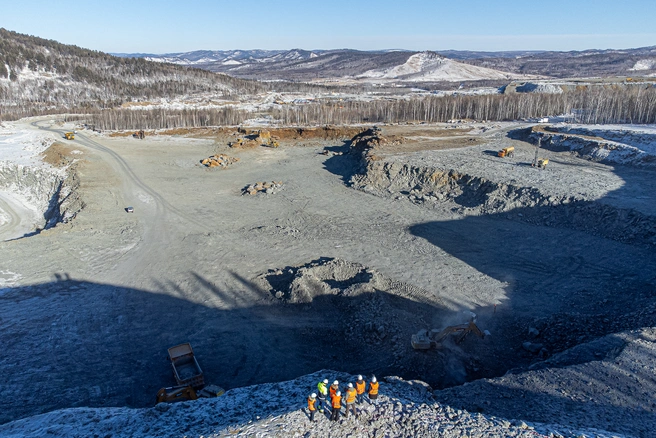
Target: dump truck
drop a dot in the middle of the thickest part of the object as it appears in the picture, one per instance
(186, 370)
(69, 136)
(507, 152)
(188, 376)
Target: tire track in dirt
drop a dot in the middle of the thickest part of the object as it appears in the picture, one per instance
(160, 202)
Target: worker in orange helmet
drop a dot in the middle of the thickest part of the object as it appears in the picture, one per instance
(360, 385)
(312, 399)
(373, 390)
(337, 406)
(349, 400)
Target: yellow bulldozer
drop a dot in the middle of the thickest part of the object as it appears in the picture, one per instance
(69, 136)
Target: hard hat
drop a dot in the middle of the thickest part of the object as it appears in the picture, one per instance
(335, 382)
(338, 393)
(360, 377)
(350, 385)
(313, 395)
(325, 381)
(374, 379)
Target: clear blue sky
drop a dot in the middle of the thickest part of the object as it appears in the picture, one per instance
(177, 26)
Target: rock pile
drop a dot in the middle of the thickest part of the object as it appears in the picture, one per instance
(219, 160)
(268, 188)
(259, 138)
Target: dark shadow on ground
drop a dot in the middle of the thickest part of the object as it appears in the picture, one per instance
(344, 164)
(73, 343)
(575, 272)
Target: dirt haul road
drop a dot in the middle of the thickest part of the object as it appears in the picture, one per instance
(95, 303)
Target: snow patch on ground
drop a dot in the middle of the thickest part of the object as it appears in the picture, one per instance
(405, 408)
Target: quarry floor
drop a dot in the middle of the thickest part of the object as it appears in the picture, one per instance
(96, 303)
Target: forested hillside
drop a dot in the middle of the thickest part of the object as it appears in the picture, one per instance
(39, 75)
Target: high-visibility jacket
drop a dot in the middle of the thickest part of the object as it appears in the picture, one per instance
(311, 402)
(337, 401)
(359, 386)
(350, 395)
(373, 388)
(322, 388)
(333, 390)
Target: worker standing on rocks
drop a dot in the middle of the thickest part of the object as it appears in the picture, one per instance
(323, 393)
(334, 388)
(350, 397)
(337, 406)
(373, 391)
(359, 388)
(312, 399)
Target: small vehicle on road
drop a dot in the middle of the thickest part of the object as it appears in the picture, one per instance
(129, 209)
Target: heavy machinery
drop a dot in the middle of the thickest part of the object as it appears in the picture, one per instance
(542, 163)
(507, 152)
(188, 376)
(427, 339)
(69, 136)
(186, 370)
(183, 393)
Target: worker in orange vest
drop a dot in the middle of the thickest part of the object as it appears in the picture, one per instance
(359, 388)
(333, 389)
(312, 399)
(337, 406)
(349, 401)
(373, 390)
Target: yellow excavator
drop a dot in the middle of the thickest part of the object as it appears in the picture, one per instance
(427, 339)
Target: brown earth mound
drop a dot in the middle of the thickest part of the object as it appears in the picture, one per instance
(220, 160)
(58, 155)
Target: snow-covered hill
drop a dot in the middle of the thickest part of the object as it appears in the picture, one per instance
(430, 66)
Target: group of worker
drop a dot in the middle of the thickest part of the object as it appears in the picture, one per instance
(354, 395)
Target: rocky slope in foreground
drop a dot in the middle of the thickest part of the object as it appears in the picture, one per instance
(602, 384)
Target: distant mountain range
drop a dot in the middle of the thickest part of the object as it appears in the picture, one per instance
(307, 65)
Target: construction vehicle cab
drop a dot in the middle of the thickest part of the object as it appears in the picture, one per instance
(188, 376)
(69, 136)
(507, 152)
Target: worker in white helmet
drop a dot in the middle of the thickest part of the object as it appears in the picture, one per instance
(312, 408)
(323, 393)
(337, 406)
(373, 390)
(333, 389)
(360, 386)
(349, 400)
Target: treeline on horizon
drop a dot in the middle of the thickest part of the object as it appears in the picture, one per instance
(590, 105)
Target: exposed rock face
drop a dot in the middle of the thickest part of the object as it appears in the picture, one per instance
(53, 192)
(476, 195)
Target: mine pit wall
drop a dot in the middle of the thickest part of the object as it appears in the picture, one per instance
(52, 192)
(586, 147)
(475, 196)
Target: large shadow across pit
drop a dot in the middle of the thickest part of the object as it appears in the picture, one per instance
(73, 343)
(576, 272)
